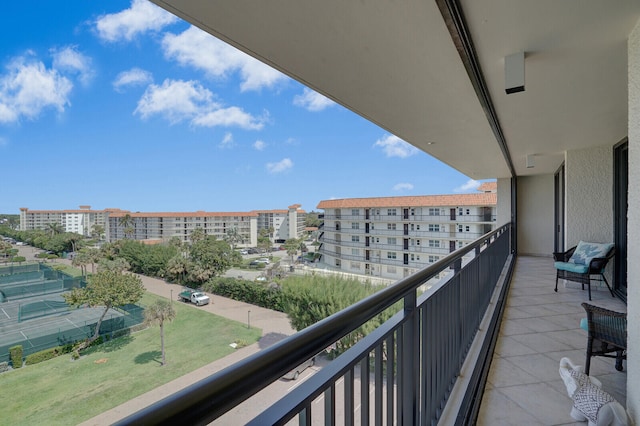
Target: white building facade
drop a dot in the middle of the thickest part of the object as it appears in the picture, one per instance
(80, 221)
(394, 237)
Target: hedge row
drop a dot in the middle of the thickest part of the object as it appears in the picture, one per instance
(246, 291)
(15, 353)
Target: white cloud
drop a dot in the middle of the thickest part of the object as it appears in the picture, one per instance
(227, 117)
(393, 146)
(175, 100)
(281, 166)
(259, 145)
(196, 48)
(312, 100)
(70, 60)
(178, 100)
(141, 17)
(227, 141)
(29, 87)
(470, 185)
(132, 77)
(403, 187)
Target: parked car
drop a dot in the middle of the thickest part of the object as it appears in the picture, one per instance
(252, 251)
(244, 252)
(295, 373)
(263, 260)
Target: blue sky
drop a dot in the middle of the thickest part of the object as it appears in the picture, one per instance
(115, 104)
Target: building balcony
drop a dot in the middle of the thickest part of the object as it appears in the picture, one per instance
(435, 352)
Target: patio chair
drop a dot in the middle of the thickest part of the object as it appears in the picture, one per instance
(607, 333)
(583, 261)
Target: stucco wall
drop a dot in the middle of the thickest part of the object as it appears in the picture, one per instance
(589, 203)
(535, 215)
(633, 238)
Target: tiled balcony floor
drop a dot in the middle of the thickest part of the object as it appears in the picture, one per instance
(540, 327)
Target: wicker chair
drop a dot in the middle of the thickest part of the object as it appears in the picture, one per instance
(572, 272)
(607, 333)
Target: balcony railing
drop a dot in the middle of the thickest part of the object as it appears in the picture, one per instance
(409, 364)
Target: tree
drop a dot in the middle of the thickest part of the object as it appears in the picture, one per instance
(264, 240)
(126, 222)
(233, 237)
(177, 268)
(107, 289)
(158, 313)
(196, 235)
(213, 255)
(291, 246)
(97, 231)
(55, 228)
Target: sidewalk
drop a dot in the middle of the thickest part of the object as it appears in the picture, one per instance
(275, 326)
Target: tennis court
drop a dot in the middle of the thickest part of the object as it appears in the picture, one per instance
(33, 312)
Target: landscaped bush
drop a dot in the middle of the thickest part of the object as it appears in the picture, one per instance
(246, 291)
(18, 259)
(43, 355)
(15, 353)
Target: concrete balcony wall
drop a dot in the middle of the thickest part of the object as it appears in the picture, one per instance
(589, 203)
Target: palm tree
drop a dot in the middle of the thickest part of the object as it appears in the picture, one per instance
(158, 313)
(55, 228)
(196, 235)
(233, 237)
(126, 223)
(97, 231)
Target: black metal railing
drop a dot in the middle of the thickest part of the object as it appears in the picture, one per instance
(409, 364)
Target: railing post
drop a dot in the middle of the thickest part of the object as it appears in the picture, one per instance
(410, 356)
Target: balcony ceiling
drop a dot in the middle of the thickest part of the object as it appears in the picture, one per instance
(395, 63)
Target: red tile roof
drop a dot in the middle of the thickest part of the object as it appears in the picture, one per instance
(450, 200)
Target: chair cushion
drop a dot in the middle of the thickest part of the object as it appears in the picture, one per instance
(586, 251)
(571, 267)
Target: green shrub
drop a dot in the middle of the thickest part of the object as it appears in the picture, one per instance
(246, 291)
(18, 259)
(44, 355)
(15, 353)
(52, 256)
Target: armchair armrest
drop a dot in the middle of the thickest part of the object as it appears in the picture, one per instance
(597, 264)
(564, 256)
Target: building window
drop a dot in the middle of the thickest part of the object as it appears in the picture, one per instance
(413, 212)
(355, 238)
(434, 228)
(391, 226)
(338, 263)
(355, 265)
(466, 228)
(433, 259)
(355, 225)
(434, 243)
(391, 212)
(417, 242)
(460, 244)
(391, 241)
(391, 269)
(391, 255)
(417, 227)
(355, 252)
(413, 257)
(412, 227)
(468, 211)
(355, 212)
(460, 228)
(434, 212)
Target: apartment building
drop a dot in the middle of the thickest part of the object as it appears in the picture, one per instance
(80, 221)
(284, 224)
(167, 225)
(394, 237)
(162, 226)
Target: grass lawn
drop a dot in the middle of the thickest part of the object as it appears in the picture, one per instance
(64, 392)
